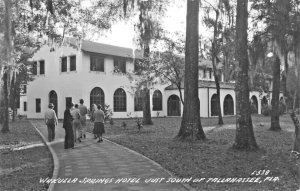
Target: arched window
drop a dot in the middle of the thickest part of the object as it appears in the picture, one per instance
(97, 97)
(138, 101)
(157, 101)
(254, 104)
(264, 102)
(174, 106)
(53, 99)
(228, 105)
(119, 100)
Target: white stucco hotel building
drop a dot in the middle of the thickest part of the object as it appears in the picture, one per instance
(86, 71)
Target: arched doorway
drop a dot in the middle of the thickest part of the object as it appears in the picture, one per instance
(228, 105)
(254, 104)
(53, 99)
(264, 102)
(214, 105)
(174, 107)
(97, 97)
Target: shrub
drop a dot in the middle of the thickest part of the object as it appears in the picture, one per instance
(253, 108)
(266, 110)
(107, 112)
(282, 108)
(111, 121)
(139, 124)
(157, 114)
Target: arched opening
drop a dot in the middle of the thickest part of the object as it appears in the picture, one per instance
(97, 97)
(264, 102)
(174, 107)
(254, 104)
(53, 99)
(228, 105)
(157, 101)
(213, 105)
(120, 100)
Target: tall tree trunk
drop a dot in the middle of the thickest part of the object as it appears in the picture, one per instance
(13, 96)
(297, 133)
(5, 124)
(146, 105)
(214, 62)
(191, 111)
(8, 43)
(220, 121)
(284, 80)
(245, 139)
(275, 126)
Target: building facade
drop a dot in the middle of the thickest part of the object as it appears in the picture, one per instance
(87, 71)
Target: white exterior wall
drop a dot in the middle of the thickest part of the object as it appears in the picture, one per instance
(223, 94)
(256, 94)
(65, 84)
(20, 111)
(79, 84)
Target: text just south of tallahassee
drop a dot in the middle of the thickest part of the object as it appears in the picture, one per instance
(154, 180)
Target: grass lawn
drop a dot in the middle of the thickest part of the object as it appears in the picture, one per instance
(214, 158)
(21, 169)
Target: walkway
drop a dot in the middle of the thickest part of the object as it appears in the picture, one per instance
(104, 161)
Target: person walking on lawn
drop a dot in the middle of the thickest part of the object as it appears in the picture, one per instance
(51, 122)
(76, 123)
(83, 111)
(99, 123)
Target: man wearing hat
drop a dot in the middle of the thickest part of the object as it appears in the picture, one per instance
(51, 121)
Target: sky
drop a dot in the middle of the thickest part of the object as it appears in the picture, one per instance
(122, 34)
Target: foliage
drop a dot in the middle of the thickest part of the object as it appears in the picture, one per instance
(157, 114)
(148, 29)
(167, 67)
(219, 19)
(293, 88)
(107, 112)
(139, 123)
(149, 14)
(259, 83)
(266, 110)
(111, 121)
(253, 108)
